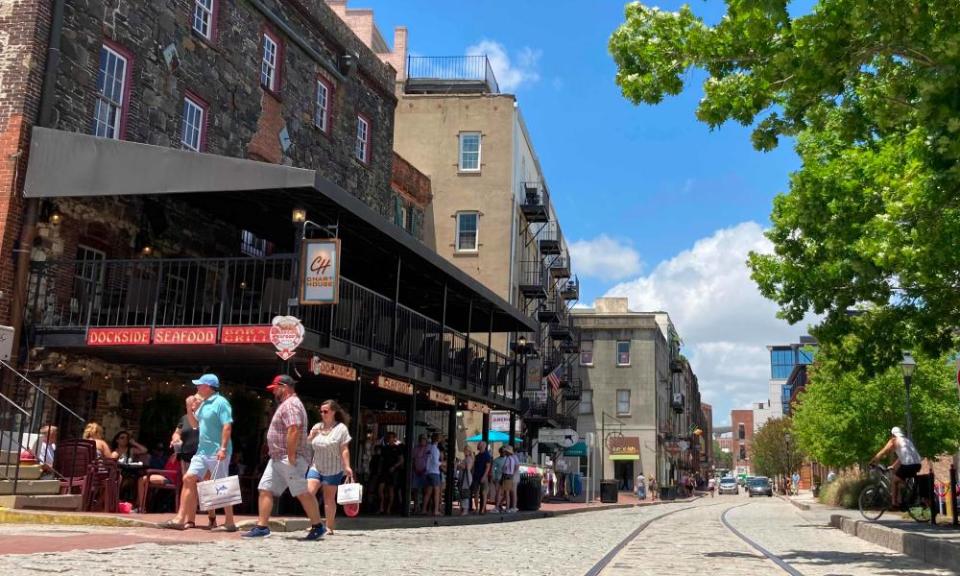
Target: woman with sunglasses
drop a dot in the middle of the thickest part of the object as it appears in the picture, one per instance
(330, 439)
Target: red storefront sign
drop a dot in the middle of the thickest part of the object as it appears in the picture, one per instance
(245, 335)
(185, 336)
(118, 336)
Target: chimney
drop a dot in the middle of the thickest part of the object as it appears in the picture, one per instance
(400, 52)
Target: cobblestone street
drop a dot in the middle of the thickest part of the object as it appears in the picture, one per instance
(689, 539)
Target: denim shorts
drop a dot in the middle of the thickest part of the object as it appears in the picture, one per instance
(331, 480)
(433, 480)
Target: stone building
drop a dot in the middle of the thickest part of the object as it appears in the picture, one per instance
(174, 154)
(638, 391)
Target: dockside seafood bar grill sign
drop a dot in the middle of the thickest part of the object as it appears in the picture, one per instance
(320, 272)
(178, 336)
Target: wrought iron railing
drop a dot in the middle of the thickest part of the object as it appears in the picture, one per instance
(535, 195)
(533, 273)
(72, 296)
(453, 68)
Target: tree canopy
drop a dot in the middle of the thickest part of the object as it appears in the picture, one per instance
(869, 93)
(844, 416)
(773, 451)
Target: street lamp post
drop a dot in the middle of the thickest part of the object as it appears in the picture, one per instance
(909, 365)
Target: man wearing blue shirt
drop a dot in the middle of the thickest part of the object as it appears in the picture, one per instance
(210, 413)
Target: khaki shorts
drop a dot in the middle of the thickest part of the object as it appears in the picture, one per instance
(280, 475)
(506, 483)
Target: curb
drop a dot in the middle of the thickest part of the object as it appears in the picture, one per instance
(930, 550)
(801, 505)
(10, 516)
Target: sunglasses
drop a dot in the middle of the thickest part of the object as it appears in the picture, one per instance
(324, 411)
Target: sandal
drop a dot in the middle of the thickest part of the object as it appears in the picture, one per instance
(189, 525)
(171, 525)
(225, 528)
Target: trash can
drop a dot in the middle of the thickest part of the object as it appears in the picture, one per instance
(609, 492)
(529, 492)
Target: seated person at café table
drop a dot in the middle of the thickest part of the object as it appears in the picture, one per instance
(129, 454)
(171, 468)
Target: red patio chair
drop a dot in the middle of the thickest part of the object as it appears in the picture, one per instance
(73, 461)
(176, 483)
(105, 488)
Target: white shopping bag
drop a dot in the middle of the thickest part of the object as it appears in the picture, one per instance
(350, 494)
(220, 493)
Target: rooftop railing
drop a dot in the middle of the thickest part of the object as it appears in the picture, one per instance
(434, 73)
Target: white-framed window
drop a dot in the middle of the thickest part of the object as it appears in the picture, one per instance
(88, 278)
(111, 93)
(623, 353)
(362, 151)
(192, 124)
(586, 402)
(586, 353)
(623, 402)
(469, 152)
(268, 64)
(252, 245)
(468, 224)
(203, 18)
(321, 116)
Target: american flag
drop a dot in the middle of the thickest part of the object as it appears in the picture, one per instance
(554, 378)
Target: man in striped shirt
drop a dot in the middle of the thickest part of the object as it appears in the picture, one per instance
(287, 468)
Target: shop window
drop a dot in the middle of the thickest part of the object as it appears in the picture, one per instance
(586, 353)
(251, 245)
(362, 150)
(623, 353)
(113, 77)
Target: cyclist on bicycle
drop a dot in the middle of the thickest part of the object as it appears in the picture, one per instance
(907, 464)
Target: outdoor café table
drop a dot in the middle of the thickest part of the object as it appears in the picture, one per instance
(130, 473)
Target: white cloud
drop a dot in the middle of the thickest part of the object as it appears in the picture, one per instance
(605, 258)
(510, 75)
(725, 323)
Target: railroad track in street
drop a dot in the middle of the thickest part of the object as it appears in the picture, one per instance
(602, 564)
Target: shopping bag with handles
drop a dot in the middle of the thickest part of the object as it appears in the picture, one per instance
(349, 493)
(220, 493)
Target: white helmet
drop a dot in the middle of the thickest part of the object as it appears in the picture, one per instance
(896, 431)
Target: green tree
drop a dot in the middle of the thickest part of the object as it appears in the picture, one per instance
(773, 451)
(868, 91)
(844, 417)
(721, 459)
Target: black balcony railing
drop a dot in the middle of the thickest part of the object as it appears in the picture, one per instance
(570, 290)
(535, 202)
(540, 409)
(72, 296)
(549, 238)
(559, 266)
(430, 74)
(533, 279)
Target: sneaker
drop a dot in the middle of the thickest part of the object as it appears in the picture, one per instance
(316, 532)
(512, 511)
(257, 532)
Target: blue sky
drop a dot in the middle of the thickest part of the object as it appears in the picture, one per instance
(658, 207)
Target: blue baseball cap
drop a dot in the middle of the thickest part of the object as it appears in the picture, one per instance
(210, 380)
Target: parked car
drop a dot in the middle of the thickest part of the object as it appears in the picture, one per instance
(728, 485)
(760, 486)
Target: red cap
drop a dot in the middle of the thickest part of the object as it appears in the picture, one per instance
(281, 380)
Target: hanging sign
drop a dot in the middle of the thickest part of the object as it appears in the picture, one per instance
(443, 398)
(286, 334)
(185, 335)
(320, 271)
(320, 367)
(393, 385)
(624, 447)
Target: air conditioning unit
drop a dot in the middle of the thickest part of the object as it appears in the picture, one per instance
(677, 402)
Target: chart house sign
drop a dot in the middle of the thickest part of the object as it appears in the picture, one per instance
(624, 448)
(320, 272)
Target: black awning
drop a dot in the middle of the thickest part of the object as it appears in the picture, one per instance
(261, 196)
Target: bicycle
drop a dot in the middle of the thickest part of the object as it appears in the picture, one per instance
(875, 497)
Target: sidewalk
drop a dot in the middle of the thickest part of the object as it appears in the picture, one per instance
(293, 524)
(938, 545)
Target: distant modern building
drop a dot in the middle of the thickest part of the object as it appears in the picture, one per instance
(742, 427)
(783, 359)
(640, 396)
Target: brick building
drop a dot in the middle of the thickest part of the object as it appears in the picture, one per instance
(741, 422)
(174, 154)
